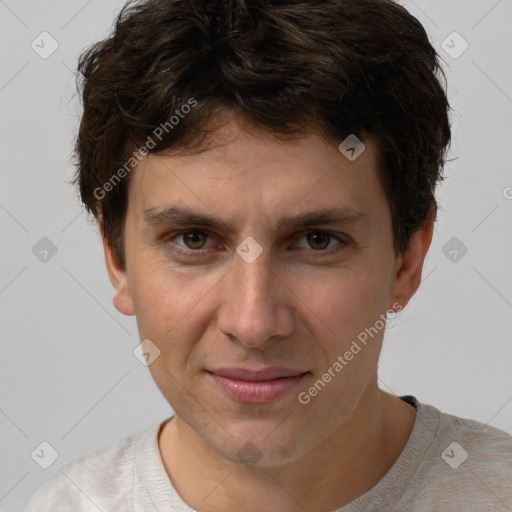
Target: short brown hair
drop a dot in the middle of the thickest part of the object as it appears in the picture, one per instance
(340, 67)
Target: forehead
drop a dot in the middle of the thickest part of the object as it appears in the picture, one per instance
(244, 169)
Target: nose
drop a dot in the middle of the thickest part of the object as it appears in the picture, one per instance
(256, 305)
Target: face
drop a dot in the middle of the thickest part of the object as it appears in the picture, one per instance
(254, 266)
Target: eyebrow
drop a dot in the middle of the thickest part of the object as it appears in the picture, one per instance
(183, 216)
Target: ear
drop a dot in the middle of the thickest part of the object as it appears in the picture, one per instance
(122, 298)
(409, 265)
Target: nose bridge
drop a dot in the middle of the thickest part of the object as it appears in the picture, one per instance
(257, 276)
(254, 305)
(254, 284)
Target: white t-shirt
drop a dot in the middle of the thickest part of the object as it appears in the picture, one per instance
(449, 464)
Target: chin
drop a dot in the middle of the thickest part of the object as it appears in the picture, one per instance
(262, 446)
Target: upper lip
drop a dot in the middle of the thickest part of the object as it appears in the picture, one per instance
(274, 372)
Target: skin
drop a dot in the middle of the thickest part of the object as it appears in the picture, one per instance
(300, 304)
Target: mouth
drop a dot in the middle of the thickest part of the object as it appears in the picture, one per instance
(256, 387)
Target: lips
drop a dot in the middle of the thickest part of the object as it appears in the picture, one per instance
(256, 386)
(275, 372)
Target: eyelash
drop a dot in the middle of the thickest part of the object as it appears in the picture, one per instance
(191, 253)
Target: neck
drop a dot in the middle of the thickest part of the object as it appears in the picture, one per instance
(351, 462)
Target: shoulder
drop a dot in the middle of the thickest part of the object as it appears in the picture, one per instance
(483, 442)
(468, 462)
(94, 481)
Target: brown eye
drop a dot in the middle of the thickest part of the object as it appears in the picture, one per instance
(189, 245)
(318, 240)
(321, 242)
(194, 239)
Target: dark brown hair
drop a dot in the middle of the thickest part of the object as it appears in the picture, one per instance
(339, 67)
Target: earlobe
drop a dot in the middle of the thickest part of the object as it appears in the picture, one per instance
(122, 298)
(409, 265)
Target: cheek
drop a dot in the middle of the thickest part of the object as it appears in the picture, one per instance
(343, 302)
(169, 306)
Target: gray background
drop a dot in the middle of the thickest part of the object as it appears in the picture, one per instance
(68, 374)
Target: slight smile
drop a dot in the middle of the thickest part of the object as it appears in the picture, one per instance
(256, 387)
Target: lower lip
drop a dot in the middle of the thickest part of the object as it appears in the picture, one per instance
(251, 392)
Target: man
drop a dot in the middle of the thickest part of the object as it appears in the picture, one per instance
(263, 176)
